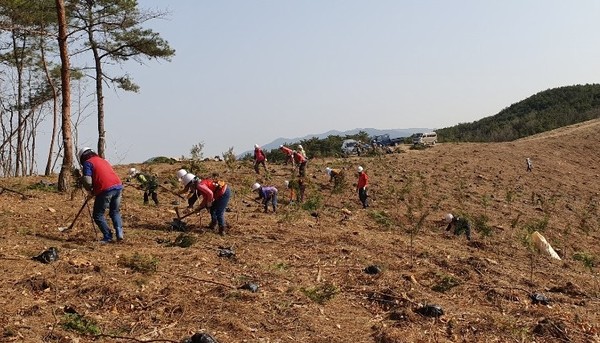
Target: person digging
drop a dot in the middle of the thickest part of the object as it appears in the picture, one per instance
(148, 183)
(104, 184)
(459, 225)
(215, 197)
(268, 194)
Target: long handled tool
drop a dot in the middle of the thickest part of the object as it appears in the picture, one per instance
(67, 228)
(170, 191)
(178, 224)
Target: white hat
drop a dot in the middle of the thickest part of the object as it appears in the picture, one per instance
(256, 146)
(328, 170)
(255, 186)
(132, 171)
(287, 183)
(180, 173)
(187, 178)
(448, 217)
(300, 146)
(359, 169)
(82, 151)
(281, 146)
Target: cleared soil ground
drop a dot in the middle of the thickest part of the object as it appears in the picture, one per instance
(309, 264)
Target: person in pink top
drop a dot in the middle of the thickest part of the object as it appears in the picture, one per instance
(259, 158)
(361, 186)
(288, 153)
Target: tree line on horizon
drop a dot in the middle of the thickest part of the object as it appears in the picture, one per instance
(39, 39)
(544, 111)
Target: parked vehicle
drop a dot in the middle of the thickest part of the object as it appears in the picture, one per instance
(427, 138)
(351, 147)
(385, 140)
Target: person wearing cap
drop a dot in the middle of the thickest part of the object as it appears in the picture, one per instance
(188, 180)
(459, 225)
(529, 164)
(104, 184)
(288, 153)
(215, 197)
(361, 186)
(259, 158)
(268, 194)
(300, 161)
(148, 182)
(335, 175)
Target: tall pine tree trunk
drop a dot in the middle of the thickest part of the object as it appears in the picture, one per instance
(54, 109)
(64, 178)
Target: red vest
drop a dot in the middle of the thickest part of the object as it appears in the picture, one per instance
(103, 176)
(259, 155)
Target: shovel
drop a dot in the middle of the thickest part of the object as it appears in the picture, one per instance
(67, 228)
(178, 222)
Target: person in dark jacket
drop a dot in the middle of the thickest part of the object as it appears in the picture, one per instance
(148, 182)
(104, 184)
(459, 225)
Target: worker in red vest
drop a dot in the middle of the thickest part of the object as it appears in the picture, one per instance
(104, 184)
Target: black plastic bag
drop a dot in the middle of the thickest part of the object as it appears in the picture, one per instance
(48, 256)
(373, 269)
(226, 252)
(252, 287)
(430, 311)
(200, 337)
(539, 298)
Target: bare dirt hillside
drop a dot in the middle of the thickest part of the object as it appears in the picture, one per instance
(309, 264)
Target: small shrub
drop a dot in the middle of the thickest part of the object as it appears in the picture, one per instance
(229, 158)
(281, 266)
(184, 241)
(43, 186)
(140, 263)
(539, 225)
(481, 225)
(515, 221)
(447, 283)
(78, 323)
(382, 218)
(588, 260)
(313, 203)
(321, 293)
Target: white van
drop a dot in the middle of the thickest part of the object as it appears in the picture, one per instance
(427, 138)
(350, 146)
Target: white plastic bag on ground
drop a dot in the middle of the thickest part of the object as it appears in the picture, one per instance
(543, 245)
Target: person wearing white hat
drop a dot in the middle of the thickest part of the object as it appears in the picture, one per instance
(459, 224)
(288, 153)
(259, 158)
(100, 179)
(299, 160)
(189, 181)
(268, 194)
(361, 186)
(180, 173)
(334, 175)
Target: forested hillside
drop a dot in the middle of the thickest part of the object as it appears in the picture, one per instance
(541, 112)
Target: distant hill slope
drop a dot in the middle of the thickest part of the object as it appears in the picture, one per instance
(544, 111)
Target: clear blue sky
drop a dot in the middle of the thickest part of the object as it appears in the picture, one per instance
(248, 72)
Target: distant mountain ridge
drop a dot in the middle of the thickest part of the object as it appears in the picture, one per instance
(394, 133)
